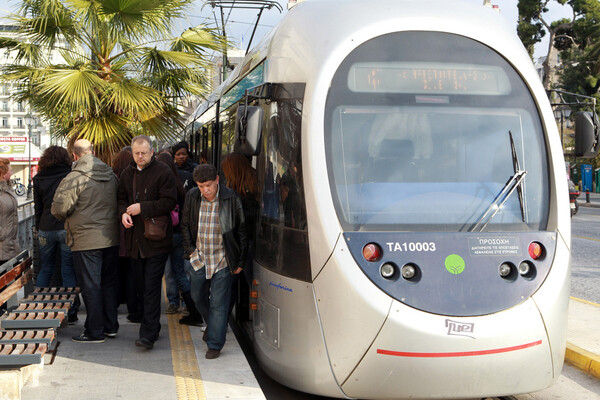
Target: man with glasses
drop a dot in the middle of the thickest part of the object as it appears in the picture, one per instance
(147, 191)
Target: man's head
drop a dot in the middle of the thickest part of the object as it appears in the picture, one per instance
(180, 153)
(205, 176)
(141, 147)
(81, 147)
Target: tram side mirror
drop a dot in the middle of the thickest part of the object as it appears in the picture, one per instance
(248, 130)
(586, 134)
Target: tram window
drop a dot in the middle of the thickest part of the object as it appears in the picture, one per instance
(282, 236)
(403, 161)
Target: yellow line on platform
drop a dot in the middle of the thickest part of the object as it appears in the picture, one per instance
(188, 380)
(585, 301)
(586, 238)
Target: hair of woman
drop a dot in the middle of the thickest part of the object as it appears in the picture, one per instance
(239, 174)
(54, 155)
(166, 158)
(4, 163)
(121, 161)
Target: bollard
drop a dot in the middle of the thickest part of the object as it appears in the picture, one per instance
(587, 196)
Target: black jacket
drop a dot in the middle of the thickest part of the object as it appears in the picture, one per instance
(156, 193)
(231, 220)
(188, 166)
(44, 187)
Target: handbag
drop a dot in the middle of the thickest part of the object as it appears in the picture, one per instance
(155, 228)
(175, 215)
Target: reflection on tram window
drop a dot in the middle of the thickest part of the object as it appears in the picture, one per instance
(283, 213)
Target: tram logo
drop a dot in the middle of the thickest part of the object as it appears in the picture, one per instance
(456, 328)
(455, 264)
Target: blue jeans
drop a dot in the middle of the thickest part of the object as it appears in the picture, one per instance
(211, 297)
(50, 243)
(98, 275)
(176, 278)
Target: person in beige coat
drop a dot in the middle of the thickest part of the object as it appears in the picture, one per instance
(86, 200)
(9, 228)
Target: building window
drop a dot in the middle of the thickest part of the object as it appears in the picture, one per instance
(5, 105)
(20, 123)
(4, 122)
(20, 107)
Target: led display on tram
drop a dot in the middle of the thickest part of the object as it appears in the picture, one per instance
(428, 77)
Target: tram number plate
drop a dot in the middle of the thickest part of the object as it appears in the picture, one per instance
(411, 246)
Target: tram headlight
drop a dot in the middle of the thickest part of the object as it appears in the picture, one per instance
(505, 269)
(408, 271)
(536, 250)
(372, 252)
(387, 270)
(527, 270)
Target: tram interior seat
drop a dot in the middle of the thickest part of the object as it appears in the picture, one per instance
(394, 162)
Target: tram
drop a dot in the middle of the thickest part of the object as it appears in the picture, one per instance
(413, 238)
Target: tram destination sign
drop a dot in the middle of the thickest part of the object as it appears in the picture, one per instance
(428, 77)
(494, 246)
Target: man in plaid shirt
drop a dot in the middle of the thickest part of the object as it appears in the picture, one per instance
(214, 239)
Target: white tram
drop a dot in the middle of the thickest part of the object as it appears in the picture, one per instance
(413, 239)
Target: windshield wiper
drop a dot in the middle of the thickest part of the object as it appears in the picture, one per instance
(514, 182)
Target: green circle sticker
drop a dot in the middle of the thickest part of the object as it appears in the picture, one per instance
(455, 264)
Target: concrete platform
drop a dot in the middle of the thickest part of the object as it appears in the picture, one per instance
(583, 347)
(175, 369)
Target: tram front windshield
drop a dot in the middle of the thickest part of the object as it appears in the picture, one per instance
(434, 132)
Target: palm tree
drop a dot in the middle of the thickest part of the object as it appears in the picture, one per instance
(122, 67)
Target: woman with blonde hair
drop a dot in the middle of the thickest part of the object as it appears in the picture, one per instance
(9, 229)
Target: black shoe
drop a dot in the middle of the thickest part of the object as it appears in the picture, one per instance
(189, 320)
(110, 335)
(143, 342)
(211, 354)
(85, 338)
(72, 318)
(136, 319)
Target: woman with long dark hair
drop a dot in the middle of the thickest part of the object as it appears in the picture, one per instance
(54, 165)
(241, 177)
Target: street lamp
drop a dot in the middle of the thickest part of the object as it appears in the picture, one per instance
(28, 122)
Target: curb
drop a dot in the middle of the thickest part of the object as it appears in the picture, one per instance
(580, 358)
(584, 360)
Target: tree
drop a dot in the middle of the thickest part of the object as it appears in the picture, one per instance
(122, 69)
(533, 26)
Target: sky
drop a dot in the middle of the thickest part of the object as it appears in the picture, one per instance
(241, 22)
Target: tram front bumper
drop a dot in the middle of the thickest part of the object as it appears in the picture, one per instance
(424, 356)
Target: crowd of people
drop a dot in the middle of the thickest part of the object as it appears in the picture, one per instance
(117, 230)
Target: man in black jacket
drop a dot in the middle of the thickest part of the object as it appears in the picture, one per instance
(147, 191)
(215, 241)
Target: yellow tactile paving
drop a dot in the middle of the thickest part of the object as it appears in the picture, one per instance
(188, 381)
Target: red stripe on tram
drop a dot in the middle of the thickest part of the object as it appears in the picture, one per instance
(459, 353)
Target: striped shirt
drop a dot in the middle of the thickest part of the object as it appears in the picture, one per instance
(210, 251)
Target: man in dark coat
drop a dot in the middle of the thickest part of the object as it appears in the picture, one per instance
(147, 191)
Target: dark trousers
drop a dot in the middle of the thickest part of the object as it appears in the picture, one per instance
(97, 274)
(149, 273)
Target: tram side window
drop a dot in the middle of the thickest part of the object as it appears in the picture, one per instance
(282, 238)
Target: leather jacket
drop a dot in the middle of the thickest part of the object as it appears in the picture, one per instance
(231, 221)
